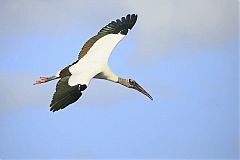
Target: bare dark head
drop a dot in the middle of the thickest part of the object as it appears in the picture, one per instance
(133, 84)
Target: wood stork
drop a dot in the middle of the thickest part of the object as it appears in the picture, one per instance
(92, 63)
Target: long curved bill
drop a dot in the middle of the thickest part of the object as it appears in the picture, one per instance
(140, 89)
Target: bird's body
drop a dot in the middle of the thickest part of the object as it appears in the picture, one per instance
(92, 63)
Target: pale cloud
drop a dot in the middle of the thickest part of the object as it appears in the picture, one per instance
(18, 91)
(24, 16)
(162, 24)
(214, 18)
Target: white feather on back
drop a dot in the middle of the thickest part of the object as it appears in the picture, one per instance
(94, 61)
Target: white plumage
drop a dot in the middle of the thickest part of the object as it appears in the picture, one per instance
(96, 61)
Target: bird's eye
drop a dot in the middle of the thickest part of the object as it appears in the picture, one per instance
(131, 81)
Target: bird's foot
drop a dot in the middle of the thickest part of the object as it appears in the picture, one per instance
(42, 80)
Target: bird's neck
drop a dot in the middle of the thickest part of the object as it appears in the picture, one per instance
(123, 82)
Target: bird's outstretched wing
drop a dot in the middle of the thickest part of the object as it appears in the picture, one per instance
(65, 94)
(120, 26)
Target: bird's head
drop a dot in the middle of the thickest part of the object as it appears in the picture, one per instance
(133, 84)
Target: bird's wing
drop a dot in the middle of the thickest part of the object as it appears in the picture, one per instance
(109, 36)
(98, 48)
(66, 94)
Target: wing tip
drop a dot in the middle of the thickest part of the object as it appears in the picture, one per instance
(130, 19)
(121, 24)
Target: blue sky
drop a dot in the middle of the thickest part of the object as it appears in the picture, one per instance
(184, 53)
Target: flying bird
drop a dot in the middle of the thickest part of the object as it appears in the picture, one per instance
(92, 63)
